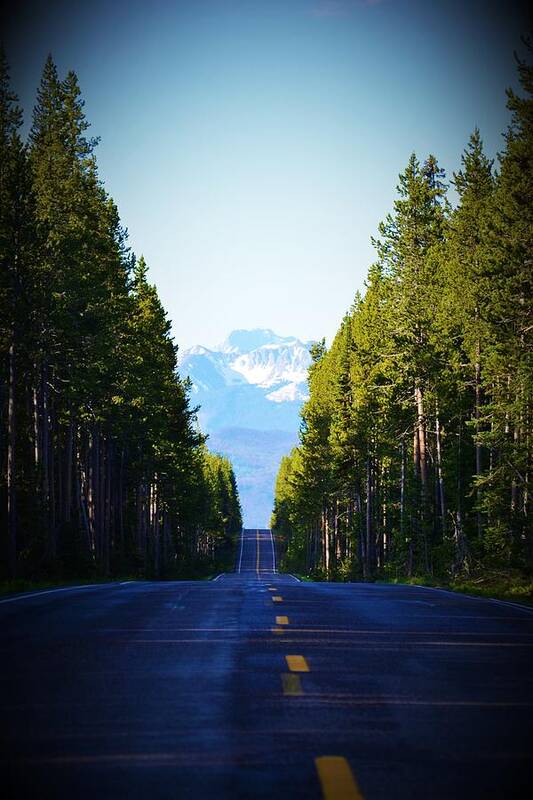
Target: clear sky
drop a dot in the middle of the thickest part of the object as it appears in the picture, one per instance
(252, 147)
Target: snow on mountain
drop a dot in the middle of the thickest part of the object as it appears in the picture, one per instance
(250, 390)
(207, 370)
(290, 392)
(259, 357)
(274, 364)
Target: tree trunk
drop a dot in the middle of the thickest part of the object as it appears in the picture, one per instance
(102, 500)
(81, 489)
(46, 459)
(326, 542)
(68, 472)
(440, 479)
(477, 414)
(36, 431)
(60, 479)
(96, 496)
(377, 490)
(52, 481)
(108, 508)
(384, 519)
(514, 485)
(316, 539)
(402, 492)
(11, 463)
(370, 542)
(164, 542)
(91, 514)
(336, 537)
(421, 435)
(157, 548)
(458, 520)
(421, 431)
(121, 502)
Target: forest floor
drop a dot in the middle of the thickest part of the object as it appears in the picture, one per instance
(499, 586)
(512, 587)
(20, 585)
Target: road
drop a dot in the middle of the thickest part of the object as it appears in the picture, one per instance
(255, 685)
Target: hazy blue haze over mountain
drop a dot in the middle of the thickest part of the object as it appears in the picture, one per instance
(250, 390)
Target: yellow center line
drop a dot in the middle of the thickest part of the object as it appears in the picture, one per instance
(297, 663)
(337, 779)
(276, 598)
(282, 620)
(292, 685)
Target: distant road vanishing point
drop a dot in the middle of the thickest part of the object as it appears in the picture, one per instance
(257, 685)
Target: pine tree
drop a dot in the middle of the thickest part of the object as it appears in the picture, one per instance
(104, 456)
(405, 243)
(16, 291)
(465, 320)
(431, 366)
(508, 375)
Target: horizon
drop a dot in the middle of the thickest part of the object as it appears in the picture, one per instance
(217, 346)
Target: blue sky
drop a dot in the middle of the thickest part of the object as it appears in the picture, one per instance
(253, 147)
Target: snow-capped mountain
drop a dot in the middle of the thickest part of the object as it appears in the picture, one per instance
(250, 390)
(254, 375)
(274, 364)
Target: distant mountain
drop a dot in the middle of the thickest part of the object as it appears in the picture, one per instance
(255, 379)
(250, 390)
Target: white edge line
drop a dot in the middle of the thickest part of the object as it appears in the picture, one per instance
(217, 577)
(240, 557)
(64, 589)
(294, 576)
(527, 609)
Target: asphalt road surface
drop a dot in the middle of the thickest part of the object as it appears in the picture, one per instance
(255, 685)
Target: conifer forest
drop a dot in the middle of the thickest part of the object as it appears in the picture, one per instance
(415, 454)
(104, 469)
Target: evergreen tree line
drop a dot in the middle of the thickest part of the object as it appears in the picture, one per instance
(104, 470)
(415, 450)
